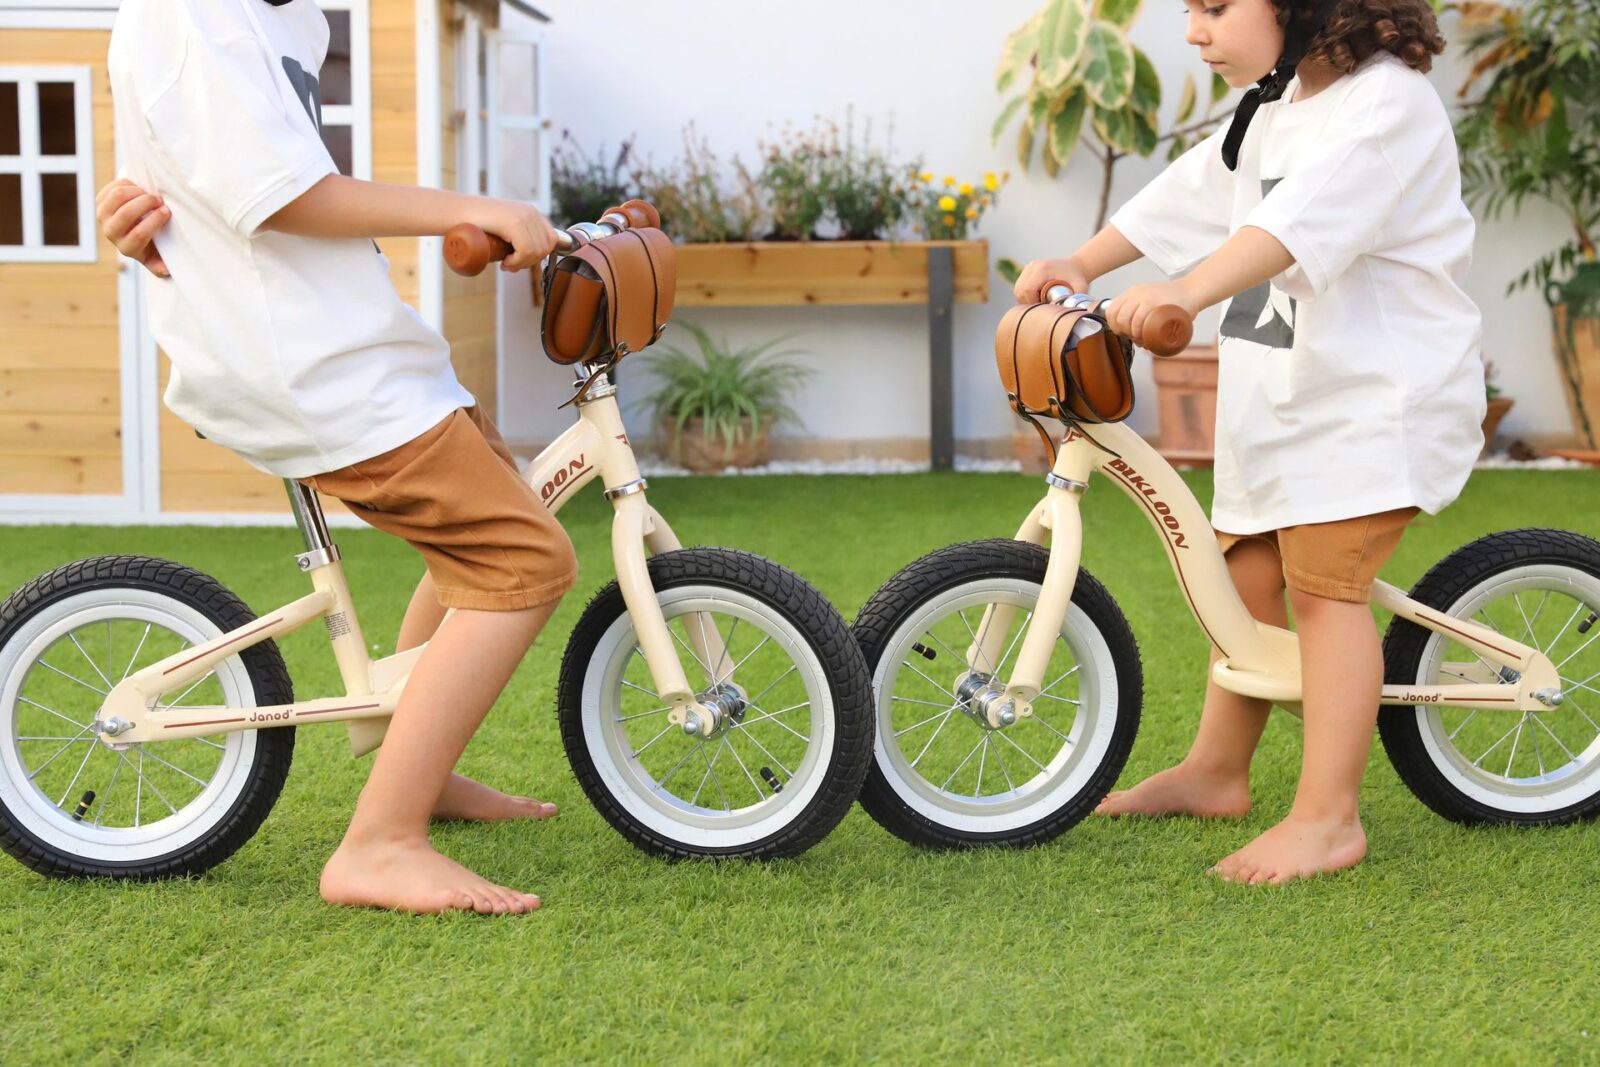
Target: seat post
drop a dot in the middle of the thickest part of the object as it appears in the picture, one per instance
(320, 549)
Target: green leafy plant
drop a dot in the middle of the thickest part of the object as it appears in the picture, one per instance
(1534, 131)
(695, 206)
(582, 186)
(867, 193)
(792, 178)
(723, 386)
(1074, 73)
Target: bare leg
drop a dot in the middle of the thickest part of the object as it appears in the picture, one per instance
(462, 798)
(1341, 669)
(385, 859)
(1213, 780)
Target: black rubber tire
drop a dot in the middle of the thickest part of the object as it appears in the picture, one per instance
(1441, 588)
(940, 572)
(789, 596)
(268, 677)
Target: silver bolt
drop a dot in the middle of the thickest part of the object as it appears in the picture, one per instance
(115, 726)
(1549, 697)
(691, 724)
(1007, 714)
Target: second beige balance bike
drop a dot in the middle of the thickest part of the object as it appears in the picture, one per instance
(712, 704)
(1008, 683)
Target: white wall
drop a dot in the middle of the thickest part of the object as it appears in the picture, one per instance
(740, 70)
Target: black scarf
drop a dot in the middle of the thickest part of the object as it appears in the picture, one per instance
(1296, 42)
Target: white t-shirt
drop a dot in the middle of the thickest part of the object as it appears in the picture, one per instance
(1351, 383)
(295, 352)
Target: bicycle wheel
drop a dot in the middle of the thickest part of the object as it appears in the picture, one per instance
(1539, 587)
(941, 776)
(794, 727)
(72, 807)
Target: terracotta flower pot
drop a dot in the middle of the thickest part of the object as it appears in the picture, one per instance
(1577, 344)
(1186, 399)
(1498, 406)
(695, 451)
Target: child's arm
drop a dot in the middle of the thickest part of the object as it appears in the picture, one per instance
(340, 206)
(1244, 261)
(1100, 255)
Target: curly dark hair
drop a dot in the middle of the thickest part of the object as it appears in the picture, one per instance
(1359, 28)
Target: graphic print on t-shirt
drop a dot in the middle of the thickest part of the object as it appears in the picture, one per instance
(306, 88)
(1264, 315)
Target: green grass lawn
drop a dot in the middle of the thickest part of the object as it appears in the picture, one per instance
(1447, 945)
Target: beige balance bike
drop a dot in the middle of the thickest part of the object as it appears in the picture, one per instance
(1008, 684)
(711, 703)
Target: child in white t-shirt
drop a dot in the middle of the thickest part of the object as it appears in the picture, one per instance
(1350, 383)
(290, 345)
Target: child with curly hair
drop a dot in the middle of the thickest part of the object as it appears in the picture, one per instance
(1328, 222)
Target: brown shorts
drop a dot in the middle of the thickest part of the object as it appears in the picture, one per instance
(456, 495)
(1337, 560)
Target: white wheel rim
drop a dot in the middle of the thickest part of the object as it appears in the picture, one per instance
(1527, 763)
(1052, 782)
(731, 818)
(37, 812)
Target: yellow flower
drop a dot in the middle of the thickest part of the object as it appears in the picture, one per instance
(966, 189)
(949, 182)
(947, 203)
(927, 175)
(972, 212)
(990, 182)
(949, 220)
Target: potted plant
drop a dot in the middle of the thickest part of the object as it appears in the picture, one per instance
(695, 206)
(867, 193)
(1499, 404)
(1534, 131)
(715, 407)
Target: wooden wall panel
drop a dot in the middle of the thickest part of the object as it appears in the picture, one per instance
(60, 348)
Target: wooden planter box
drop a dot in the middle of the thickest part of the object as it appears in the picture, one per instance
(770, 273)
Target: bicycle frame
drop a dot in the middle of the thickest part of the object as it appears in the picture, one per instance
(1253, 658)
(596, 446)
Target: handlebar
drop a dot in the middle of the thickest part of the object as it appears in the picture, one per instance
(469, 250)
(1167, 329)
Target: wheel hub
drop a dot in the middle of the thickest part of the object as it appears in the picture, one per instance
(725, 702)
(978, 694)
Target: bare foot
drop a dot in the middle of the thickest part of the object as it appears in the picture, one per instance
(466, 800)
(411, 876)
(1182, 790)
(1297, 847)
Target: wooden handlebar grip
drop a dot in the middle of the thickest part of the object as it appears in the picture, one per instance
(1167, 331)
(469, 250)
(639, 213)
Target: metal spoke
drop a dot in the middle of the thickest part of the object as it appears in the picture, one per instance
(1516, 598)
(963, 763)
(760, 796)
(31, 738)
(654, 739)
(746, 659)
(1514, 742)
(685, 646)
(1583, 684)
(1073, 670)
(40, 769)
(928, 703)
(1060, 700)
(89, 660)
(977, 640)
(1479, 761)
(111, 659)
(1538, 752)
(1462, 725)
(105, 798)
(938, 714)
(1540, 720)
(138, 788)
(209, 742)
(757, 742)
(716, 779)
(75, 776)
(948, 650)
(1004, 770)
(765, 715)
(1580, 648)
(200, 781)
(1036, 718)
(153, 787)
(641, 715)
(57, 714)
(642, 689)
(1020, 631)
(1579, 606)
(661, 784)
(137, 649)
(189, 690)
(72, 678)
(792, 668)
(943, 691)
(983, 758)
(700, 622)
(932, 739)
(727, 644)
(710, 764)
(1006, 738)
(1585, 714)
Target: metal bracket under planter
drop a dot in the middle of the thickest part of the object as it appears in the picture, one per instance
(939, 274)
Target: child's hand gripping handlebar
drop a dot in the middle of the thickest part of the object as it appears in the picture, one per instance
(1167, 330)
(469, 250)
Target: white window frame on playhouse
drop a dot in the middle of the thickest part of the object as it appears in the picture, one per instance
(31, 164)
(357, 115)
